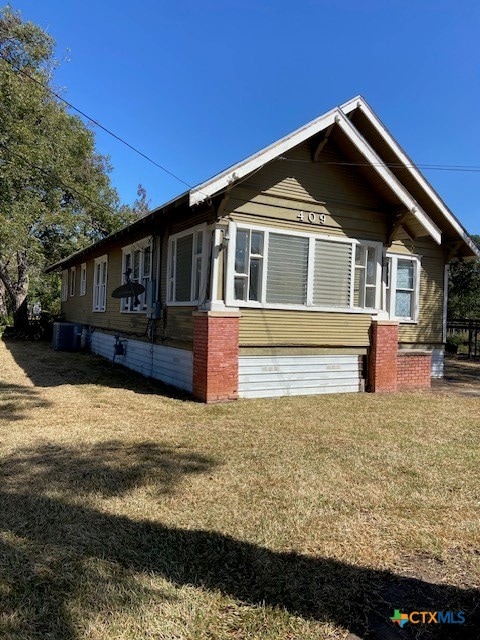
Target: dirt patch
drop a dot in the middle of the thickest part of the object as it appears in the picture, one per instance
(461, 377)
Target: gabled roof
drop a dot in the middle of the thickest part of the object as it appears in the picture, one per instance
(374, 157)
(368, 137)
(361, 104)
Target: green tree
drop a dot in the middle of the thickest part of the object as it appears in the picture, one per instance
(464, 288)
(55, 192)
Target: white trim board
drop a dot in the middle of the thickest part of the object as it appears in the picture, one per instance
(224, 179)
(360, 103)
(233, 174)
(335, 116)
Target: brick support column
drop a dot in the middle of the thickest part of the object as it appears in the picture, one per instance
(382, 356)
(215, 355)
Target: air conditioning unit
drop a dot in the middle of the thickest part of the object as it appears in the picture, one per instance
(66, 336)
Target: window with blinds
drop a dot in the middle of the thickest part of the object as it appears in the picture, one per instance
(332, 274)
(275, 269)
(287, 269)
(183, 269)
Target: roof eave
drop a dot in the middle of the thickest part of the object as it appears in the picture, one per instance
(112, 237)
(360, 103)
(238, 171)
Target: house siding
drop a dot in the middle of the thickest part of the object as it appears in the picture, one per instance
(273, 376)
(176, 325)
(170, 365)
(275, 195)
(80, 308)
(278, 351)
(282, 189)
(269, 327)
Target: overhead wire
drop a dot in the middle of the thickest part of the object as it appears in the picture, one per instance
(439, 167)
(391, 165)
(97, 123)
(435, 167)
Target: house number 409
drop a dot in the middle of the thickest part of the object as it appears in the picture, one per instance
(313, 218)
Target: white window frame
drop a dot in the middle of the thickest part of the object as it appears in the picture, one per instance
(83, 278)
(100, 299)
(65, 283)
(392, 285)
(378, 275)
(139, 245)
(171, 265)
(73, 281)
(232, 301)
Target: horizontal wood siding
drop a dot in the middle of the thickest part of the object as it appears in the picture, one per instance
(429, 328)
(80, 308)
(271, 376)
(279, 191)
(264, 327)
(170, 365)
(177, 324)
(274, 196)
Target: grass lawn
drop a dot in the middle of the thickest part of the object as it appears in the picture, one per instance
(126, 513)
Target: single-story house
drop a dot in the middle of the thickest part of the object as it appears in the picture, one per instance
(317, 265)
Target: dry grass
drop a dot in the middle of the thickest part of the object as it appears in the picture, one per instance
(129, 514)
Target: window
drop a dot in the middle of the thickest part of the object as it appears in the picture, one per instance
(248, 265)
(186, 266)
(100, 283)
(137, 260)
(332, 274)
(287, 269)
(83, 279)
(274, 268)
(365, 288)
(402, 283)
(64, 293)
(73, 277)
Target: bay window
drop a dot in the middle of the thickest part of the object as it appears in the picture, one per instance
(283, 269)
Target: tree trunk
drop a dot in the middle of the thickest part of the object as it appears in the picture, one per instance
(3, 300)
(20, 313)
(17, 291)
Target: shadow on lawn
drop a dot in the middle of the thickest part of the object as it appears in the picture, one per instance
(57, 555)
(16, 400)
(48, 368)
(461, 370)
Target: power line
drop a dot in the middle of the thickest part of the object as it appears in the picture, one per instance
(391, 165)
(434, 167)
(97, 123)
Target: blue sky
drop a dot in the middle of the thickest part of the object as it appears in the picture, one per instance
(200, 85)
